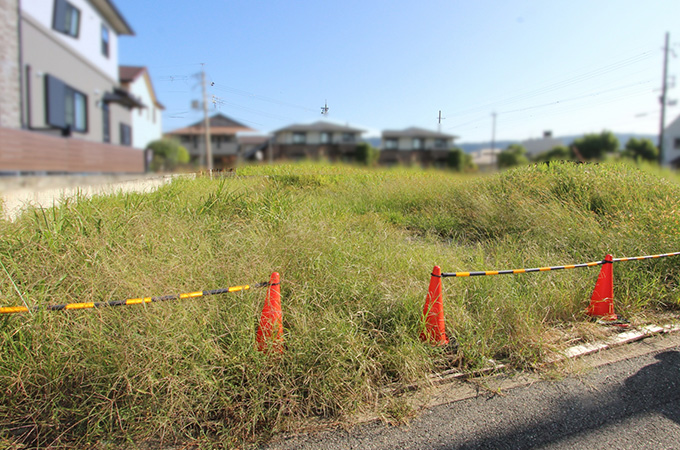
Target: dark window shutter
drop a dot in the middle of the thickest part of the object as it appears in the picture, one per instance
(60, 16)
(56, 106)
(106, 122)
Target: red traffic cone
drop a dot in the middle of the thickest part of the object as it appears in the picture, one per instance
(270, 331)
(602, 300)
(433, 311)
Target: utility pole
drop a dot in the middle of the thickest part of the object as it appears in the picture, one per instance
(662, 100)
(206, 122)
(493, 137)
(439, 121)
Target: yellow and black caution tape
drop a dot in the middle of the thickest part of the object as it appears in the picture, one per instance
(637, 258)
(546, 269)
(130, 301)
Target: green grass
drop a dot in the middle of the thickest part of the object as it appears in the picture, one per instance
(354, 248)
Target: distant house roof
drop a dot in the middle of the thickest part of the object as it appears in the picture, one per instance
(219, 124)
(109, 11)
(128, 74)
(321, 126)
(416, 132)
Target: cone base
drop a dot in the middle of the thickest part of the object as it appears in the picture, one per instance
(613, 320)
(439, 342)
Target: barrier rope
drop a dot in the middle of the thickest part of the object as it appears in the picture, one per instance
(546, 269)
(130, 301)
(635, 258)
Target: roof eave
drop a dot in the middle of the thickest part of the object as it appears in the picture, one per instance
(113, 17)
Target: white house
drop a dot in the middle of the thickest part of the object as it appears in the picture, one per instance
(320, 139)
(537, 146)
(415, 145)
(146, 121)
(671, 144)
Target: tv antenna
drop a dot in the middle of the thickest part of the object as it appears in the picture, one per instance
(324, 108)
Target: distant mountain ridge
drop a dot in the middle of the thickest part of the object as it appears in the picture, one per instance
(469, 147)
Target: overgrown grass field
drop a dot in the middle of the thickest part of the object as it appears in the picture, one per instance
(354, 247)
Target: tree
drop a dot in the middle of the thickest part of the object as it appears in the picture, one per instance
(167, 154)
(556, 153)
(366, 154)
(460, 161)
(641, 149)
(514, 155)
(596, 146)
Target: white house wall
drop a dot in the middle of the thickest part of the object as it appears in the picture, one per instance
(671, 133)
(406, 144)
(88, 42)
(146, 122)
(313, 138)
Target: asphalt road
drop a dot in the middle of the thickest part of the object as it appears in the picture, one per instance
(625, 398)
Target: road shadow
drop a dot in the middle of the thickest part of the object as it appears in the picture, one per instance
(650, 389)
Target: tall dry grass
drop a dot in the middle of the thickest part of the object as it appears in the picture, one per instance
(354, 247)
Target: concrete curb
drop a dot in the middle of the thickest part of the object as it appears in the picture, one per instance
(574, 352)
(39, 193)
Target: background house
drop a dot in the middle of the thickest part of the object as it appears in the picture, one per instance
(537, 146)
(671, 144)
(69, 51)
(146, 121)
(316, 141)
(486, 159)
(223, 139)
(60, 78)
(415, 146)
(254, 147)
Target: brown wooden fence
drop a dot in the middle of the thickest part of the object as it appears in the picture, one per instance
(28, 151)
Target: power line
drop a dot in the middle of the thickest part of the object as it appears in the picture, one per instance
(560, 84)
(220, 87)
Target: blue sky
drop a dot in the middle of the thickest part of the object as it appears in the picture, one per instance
(572, 66)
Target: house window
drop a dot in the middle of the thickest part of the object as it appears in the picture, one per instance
(299, 138)
(440, 143)
(66, 107)
(66, 18)
(105, 41)
(417, 143)
(676, 143)
(325, 138)
(125, 134)
(106, 119)
(347, 137)
(391, 144)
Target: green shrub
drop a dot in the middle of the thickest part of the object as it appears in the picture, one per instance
(168, 154)
(514, 155)
(366, 154)
(641, 150)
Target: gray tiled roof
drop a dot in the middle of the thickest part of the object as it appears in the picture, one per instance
(416, 132)
(320, 126)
